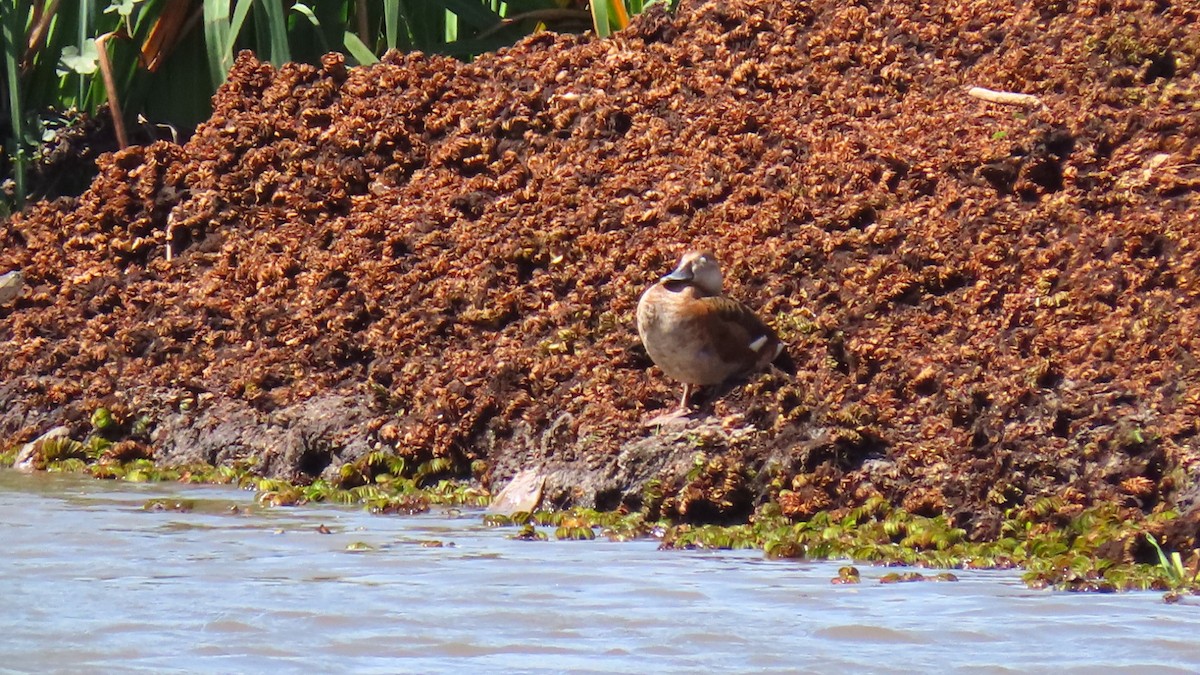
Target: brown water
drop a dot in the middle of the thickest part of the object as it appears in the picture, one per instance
(92, 582)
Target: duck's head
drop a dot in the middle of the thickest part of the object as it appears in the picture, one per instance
(701, 269)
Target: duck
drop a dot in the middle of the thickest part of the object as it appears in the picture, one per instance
(699, 336)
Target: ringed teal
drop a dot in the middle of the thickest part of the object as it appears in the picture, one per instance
(699, 336)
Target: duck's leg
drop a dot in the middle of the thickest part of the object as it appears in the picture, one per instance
(680, 415)
(687, 393)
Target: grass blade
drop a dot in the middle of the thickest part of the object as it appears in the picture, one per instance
(601, 19)
(240, 11)
(84, 33)
(220, 35)
(361, 52)
(1173, 572)
(277, 40)
(391, 22)
(216, 39)
(307, 13)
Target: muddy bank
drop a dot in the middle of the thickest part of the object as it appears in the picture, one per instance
(987, 303)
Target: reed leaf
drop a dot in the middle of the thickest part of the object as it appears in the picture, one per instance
(216, 39)
(274, 23)
(391, 23)
(602, 17)
(358, 51)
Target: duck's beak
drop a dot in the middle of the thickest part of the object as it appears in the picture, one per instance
(681, 273)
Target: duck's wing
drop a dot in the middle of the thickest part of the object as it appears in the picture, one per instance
(739, 336)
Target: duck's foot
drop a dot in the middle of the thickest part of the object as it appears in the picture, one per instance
(677, 417)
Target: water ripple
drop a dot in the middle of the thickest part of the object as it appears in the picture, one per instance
(95, 583)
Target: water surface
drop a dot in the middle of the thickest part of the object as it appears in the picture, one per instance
(93, 582)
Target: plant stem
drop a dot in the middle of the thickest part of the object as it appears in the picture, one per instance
(110, 86)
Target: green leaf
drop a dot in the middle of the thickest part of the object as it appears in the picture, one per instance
(391, 23)
(1177, 564)
(277, 31)
(216, 38)
(305, 11)
(359, 51)
(601, 18)
(122, 7)
(220, 34)
(102, 419)
(82, 62)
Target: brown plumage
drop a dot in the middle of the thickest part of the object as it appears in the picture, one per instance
(697, 335)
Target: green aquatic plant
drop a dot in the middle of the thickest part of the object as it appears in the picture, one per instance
(273, 492)
(498, 520)
(544, 517)
(574, 533)
(1176, 574)
(528, 533)
(102, 419)
(453, 493)
(406, 504)
(1057, 543)
(96, 445)
(689, 537)
(168, 504)
(434, 467)
(68, 465)
(60, 448)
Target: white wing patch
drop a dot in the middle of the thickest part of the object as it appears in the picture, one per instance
(758, 344)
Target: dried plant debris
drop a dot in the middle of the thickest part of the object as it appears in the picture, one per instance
(988, 303)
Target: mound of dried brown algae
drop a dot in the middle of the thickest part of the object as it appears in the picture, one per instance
(987, 301)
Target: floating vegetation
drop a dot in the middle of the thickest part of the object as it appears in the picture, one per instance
(529, 533)
(167, 504)
(1058, 544)
(906, 577)
(574, 533)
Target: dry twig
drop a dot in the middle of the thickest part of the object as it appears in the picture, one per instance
(1007, 97)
